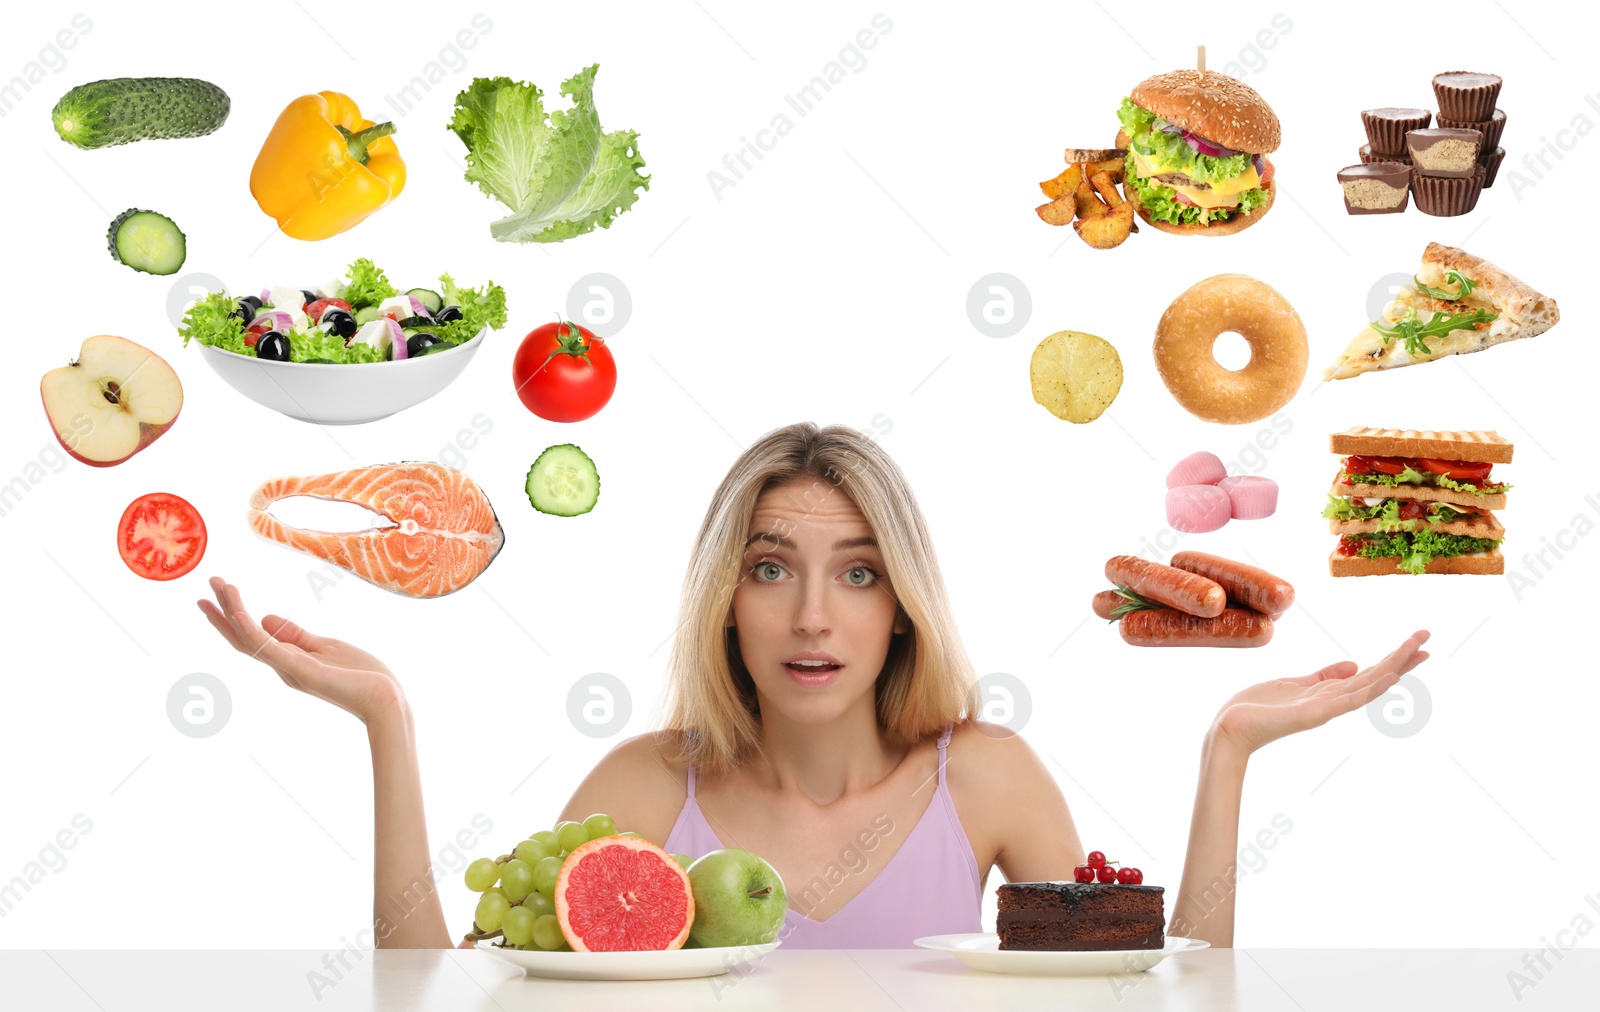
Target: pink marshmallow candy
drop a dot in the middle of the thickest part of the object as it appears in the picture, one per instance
(1196, 509)
(1197, 469)
(1252, 497)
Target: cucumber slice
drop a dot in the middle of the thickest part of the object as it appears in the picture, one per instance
(367, 314)
(563, 482)
(146, 241)
(428, 297)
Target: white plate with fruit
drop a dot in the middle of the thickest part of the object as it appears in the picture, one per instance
(585, 902)
(981, 951)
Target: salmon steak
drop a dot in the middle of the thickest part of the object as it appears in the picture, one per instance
(442, 532)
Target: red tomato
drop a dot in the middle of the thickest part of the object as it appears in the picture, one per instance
(1459, 470)
(563, 372)
(1349, 546)
(317, 308)
(160, 536)
(1266, 177)
(1358, 464)
(253, 333)
(1412, 509)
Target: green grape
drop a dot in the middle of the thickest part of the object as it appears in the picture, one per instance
(571, 835)
(636, 836)
(531, 850)
(491, 910)
(600, 825)
(548, 838)
(518, 925)
(481, 874)
(539, 903)
(547, 933)
(516, 878)
(545, 874)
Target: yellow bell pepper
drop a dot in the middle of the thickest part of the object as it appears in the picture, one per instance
(324, 169)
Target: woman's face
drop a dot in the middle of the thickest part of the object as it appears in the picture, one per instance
(814, 609)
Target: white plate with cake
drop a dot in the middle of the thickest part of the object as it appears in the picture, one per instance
(1070, 929)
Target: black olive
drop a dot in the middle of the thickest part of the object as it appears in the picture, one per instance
(244, 315)
(449, 314)
(251, 303)
(339, 322)
(273, 347)
(417, 343)
(310, 298)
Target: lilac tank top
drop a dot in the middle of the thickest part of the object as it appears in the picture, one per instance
(929, 887)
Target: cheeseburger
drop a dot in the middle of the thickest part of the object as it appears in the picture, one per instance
(1197, 143)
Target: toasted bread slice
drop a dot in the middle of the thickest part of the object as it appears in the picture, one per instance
(1473, 445)
(1490, 563)
(1421, 493)
(1476, 527)
(1520, 311)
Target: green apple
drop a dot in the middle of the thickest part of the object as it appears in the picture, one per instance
(739, 899)
(684, 861)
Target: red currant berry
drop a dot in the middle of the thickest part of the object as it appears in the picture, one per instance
(1106, 873)
(1083, 873)
(1130, 876)
(1096, 859)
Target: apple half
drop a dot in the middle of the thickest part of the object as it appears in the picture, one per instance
(114, 401)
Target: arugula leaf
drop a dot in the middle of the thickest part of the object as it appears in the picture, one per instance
(368, 285)
(1415, 333)
(1451, 276)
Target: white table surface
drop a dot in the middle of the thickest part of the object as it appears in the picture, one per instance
(832, 980)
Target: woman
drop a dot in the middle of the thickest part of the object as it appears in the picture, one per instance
(822, 716)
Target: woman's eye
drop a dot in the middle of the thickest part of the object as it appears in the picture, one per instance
(768, 571)
(860, 576)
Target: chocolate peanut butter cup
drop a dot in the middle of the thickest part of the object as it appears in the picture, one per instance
(1447, 196)
(1375, 187)
(1492, 166)
(1491, 129)
(1445, 152)
(1387, 127)
(1466, 95)
(1368, 155)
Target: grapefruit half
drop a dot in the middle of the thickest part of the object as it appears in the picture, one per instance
(623, 894)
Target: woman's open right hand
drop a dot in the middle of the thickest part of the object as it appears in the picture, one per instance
(330, 669)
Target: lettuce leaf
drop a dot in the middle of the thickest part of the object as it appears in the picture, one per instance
(1141, 125)
(1416, 549)
(1162, 204)
(368, 285)
(318, 343)
(559, 173)
(208, 321)
(479, 309)
(1413, 477)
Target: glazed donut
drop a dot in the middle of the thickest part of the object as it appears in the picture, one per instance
(1255, 311)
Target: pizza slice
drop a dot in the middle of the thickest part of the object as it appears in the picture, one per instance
(1456, 304)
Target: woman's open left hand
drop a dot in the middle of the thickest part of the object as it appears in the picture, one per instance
(1271, 710)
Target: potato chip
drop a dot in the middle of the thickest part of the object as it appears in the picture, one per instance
(1075, 376)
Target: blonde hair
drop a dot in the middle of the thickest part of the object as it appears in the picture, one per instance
(927, 680)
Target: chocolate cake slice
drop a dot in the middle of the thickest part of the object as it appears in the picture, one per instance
(1080, 916)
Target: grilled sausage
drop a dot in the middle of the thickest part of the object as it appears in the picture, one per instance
(1187, 592)
(1107, 600)
(1246, 585)
(1164, 627)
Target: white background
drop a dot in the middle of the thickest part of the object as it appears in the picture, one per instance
(828, 284)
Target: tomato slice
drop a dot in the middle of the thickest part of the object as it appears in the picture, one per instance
(1358, 464)
(161, 536)
(1266, 177)
(1459, 470)
(317, 308)
(1412, 509)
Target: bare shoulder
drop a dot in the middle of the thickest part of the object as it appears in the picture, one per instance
(994, 777)
(641, 783)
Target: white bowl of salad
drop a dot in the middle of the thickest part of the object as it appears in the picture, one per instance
(352, 350)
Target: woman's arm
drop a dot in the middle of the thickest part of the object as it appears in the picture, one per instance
(1258, 715)
(405, 904)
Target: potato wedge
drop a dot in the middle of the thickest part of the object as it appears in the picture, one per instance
(1107, 189)
(1109, 230)
(1116, 168)
(1063, 184)
(1089, 205)
(1077, 156)
(1059, 211)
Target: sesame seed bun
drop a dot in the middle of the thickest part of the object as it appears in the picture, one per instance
(1214, 106)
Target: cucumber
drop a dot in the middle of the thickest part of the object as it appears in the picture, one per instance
(146, 241)
(428, 297)
(124, 109)
(434, 349)
(563, 482)
(366, 314)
